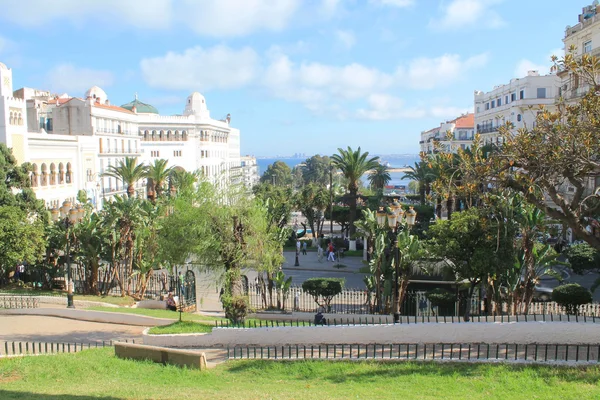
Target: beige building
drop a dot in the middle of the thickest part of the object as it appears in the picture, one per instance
(449, 136)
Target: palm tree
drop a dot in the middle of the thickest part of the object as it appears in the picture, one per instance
(159, 174)
(379, 177)
(183, 180)
(129, 171)
(353, 165)
(420, 173)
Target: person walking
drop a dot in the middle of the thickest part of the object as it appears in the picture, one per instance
(304, 246)
(319, 253)
(331, 254)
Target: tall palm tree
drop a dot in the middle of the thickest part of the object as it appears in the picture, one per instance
(129, 171)
(183, 180)
(379, 177)
(422, 174)
(159, 174)
(353, 165)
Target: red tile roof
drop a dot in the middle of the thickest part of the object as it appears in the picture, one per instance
(114, 108)
(59, 101)
(465, 121)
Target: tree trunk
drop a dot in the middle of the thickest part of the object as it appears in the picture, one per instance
(467, 315)
(450, 205)
(352, 216)
(422, 194)
(438, 208)
(93, 283)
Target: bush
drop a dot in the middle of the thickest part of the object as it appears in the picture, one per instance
(583, 258)
(571, 296)
(441, 298)
(323, 290)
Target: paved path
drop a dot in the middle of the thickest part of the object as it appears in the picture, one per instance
(32, 328)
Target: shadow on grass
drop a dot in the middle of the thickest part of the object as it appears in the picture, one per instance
(13, 395)
(373, 370)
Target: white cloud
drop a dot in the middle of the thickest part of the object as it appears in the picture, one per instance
(346, 38)
(217, 18)
(151, 14)
(219, 67)
(385, 107)
(69, 78)
(524, 65)
(429, 73)
(330, 7)
(461, 13)
(236, 17)
(447, 112)
(393, 3)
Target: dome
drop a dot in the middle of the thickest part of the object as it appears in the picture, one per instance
(195, 104)
(96, 93)
(140, 108)
(3, 66)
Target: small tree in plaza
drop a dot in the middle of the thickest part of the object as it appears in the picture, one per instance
(323, 290)
(571, 296)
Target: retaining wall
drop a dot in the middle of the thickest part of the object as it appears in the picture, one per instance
(491, 332)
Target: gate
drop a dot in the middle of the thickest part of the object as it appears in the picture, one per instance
(188, 291)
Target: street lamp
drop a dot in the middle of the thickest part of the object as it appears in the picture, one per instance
(70, 216)
(396, 217)
(295, 236)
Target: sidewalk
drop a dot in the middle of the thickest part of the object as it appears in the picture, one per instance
(310, 262)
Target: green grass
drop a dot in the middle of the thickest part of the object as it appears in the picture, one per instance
(117, 300)
(157, 313)
(181, 327)
(97, 374)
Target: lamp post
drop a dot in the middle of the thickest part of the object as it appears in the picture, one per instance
(396, 217)
(295, 235)
(70, 216)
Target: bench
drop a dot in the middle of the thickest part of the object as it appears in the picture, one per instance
(161, 355)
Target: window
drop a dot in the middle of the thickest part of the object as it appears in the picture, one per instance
(541, 93)
(493, 103)
(487, 106)
(587, 46)
(478, 109)
(513, 97)
(519, 118)
(154, 153)
(177, 153)
(499, 101)
(505, 99)
(521, 94)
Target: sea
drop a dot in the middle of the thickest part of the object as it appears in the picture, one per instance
(393, 161)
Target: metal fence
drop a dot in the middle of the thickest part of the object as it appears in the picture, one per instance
(18, 348)
(356, 301)
(506, 352)
(12, 302)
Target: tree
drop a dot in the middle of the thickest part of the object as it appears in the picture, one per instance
(353, 164)
(183, 181)
(473, 245)
(129, 171)
(312, 200)
(559, 152)
(379, 177)
(323, 290)
(159, 174)
(410, 251)
(421, 174)
(571, 296)
(583, 258)
(316, 170)
(277, 174)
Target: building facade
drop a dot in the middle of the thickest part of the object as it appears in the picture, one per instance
(72, 141)
(517, 102)
(449, 136)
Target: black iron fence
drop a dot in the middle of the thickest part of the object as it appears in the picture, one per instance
(357, 301)
(506, 352)
(19, 348)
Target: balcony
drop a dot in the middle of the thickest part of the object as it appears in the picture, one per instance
(487, 129)
(120, 151)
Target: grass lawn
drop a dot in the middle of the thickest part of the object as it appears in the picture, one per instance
(117, 300)
(97, 374)
(181, 327)
(158, 313)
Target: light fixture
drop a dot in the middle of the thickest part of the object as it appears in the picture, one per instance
(411, 216)
(380, 217)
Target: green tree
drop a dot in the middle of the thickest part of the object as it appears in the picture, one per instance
(159, 174)
(183, 181)
(421, 174)
(129, 171)
(379, 177)
(571, 296)
(316, 170)
(277, 174)
(312, 200)
(353, 164)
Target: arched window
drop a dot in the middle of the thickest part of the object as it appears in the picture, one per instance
(146, 136)
(20, 119)
(169, 135)
(162, 136)
(34, 176)
(119, 129)
(153, 136)
(52, 174)
(44, 175)
(519, 118)
(11, 119)
(61, 174)
(68, 174)
(184, 136)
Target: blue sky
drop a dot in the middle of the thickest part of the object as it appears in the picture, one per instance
(304, 76)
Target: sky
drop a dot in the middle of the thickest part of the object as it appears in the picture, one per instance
(297, 76)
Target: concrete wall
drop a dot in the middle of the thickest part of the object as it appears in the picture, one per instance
(161, 355)
(521, 332)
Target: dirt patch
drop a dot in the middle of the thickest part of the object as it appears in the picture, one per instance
(9, 378)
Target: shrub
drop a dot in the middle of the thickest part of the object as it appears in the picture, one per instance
(571, 296)
(323, 290)
(440, 297)
(583, 258)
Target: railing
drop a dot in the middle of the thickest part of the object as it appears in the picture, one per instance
(13, 302)
(505, 352)
(356, 301)
(487, 129)
(18, 348)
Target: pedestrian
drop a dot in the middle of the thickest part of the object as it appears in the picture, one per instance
(320, 253)
(304, 246)
(171, 304)
(330, 253)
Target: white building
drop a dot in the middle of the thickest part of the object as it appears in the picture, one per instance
(250, 175)
(517, 102)
(71, 141)
(449, 136)
(585, 38)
